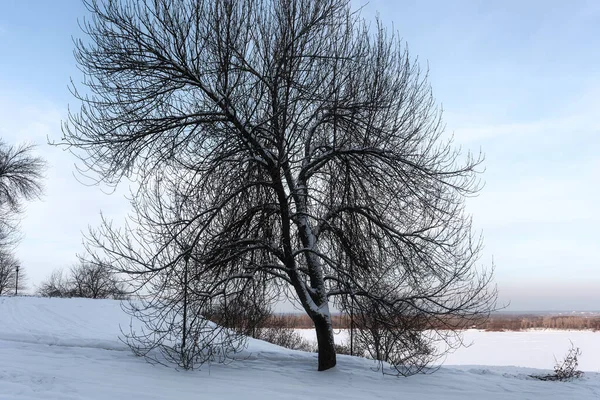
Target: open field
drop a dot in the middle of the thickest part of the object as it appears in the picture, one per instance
(531, 349)
(69, 349)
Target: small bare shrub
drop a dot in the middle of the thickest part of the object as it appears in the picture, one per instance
(565, 370)
(357, 349)
(285, 337)
(280, 332)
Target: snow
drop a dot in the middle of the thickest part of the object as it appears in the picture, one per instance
(535, 349)
(69, 349)
(532, 349)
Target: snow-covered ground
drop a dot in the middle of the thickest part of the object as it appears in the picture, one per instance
(533, 348)
(69, 349)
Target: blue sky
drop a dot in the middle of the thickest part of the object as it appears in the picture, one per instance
(519, 80)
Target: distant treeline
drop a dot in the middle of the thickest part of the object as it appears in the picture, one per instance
(496, 322)
(522, 322)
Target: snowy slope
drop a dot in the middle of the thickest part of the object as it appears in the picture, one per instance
(69, 349)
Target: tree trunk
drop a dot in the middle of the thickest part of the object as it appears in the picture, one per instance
(324, 329)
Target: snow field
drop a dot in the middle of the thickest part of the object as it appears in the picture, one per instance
(532, 349)
(69, 349)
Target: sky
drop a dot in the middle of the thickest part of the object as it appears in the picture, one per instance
(517, 80)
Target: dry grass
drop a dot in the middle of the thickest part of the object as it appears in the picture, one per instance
(523, 322)
(496, 323)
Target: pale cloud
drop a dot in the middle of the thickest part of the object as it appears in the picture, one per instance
(542, 199)
(473, 130)
(591, 9)
(578, 115)
(538, 210)
(545, 295)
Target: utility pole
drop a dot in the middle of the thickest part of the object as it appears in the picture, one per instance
(185, 358)
(17, 280)
(347, 188)
(351, 311)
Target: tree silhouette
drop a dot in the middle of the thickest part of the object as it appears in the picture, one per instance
(278, 145)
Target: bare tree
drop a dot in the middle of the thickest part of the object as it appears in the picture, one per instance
(56, 285)
(7, 265)
(13, 279)
(20, 179)
(282, 144)
(20, 175)
(94, 281)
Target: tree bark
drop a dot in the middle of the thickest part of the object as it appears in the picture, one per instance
(326, 347)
